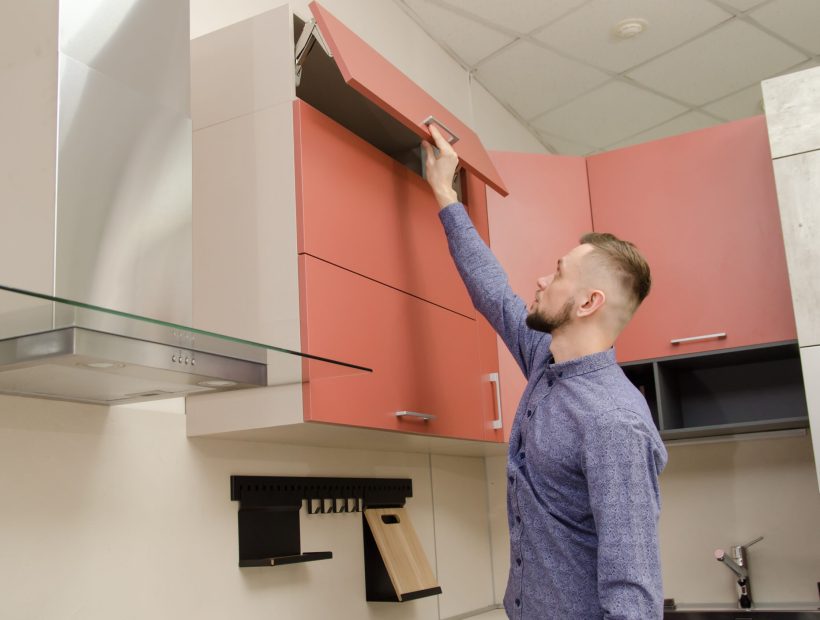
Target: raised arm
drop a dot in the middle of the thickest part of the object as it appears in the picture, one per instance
(481, 272)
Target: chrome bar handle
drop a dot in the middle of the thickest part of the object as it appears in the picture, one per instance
(756, 540)
(493, 378)
(698, 338)
(413, 414)
(432, 119)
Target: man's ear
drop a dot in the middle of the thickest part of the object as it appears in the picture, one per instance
(594, 299)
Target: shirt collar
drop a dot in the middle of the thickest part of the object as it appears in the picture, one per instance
(582, 365)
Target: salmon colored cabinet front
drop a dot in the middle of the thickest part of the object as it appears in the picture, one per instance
(363, 211)
(702, 208)
(424, 358)
(379, 289)
(542, 219)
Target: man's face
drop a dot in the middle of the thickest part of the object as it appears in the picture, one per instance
(554, 304)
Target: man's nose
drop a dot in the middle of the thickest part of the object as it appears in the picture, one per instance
(544, 281)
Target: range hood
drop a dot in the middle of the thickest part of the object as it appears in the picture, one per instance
(97, 208)
(59, 349)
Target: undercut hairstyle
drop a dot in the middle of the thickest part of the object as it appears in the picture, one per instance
(626, 261)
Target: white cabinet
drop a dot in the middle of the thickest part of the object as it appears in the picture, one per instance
(792, 112)
(798, 194)
(793, 118)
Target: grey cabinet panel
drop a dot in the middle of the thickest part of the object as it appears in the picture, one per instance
(792, 104)
(798, 193)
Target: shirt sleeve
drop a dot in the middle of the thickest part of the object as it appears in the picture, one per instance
(488, 285)
(622, 464)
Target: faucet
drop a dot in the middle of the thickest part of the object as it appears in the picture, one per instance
(739, 565)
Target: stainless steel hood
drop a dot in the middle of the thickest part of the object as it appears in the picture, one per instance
(60, 349)
(95, 206)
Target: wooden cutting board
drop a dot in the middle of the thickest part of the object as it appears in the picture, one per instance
(401, 550)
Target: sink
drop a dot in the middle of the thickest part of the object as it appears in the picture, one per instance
(742, 614)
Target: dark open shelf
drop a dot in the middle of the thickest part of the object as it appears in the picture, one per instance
(745, 390)
(288, 559)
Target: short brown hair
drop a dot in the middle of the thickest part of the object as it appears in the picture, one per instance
(627, 261)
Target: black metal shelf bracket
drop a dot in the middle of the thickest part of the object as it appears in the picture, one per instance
(269, 507)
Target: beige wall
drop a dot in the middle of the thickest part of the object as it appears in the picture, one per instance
(721, 494)
(715, 495)
(114, 513)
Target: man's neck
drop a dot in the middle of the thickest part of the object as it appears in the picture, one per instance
(567, 346)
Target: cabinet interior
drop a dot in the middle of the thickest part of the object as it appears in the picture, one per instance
(643, 377)
(324, 88)
(724, 392)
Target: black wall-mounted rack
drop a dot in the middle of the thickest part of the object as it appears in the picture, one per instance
(269, 507)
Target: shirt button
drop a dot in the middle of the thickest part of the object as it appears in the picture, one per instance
(529, 413)
(518, 602)
(518, 561)
(549, 383)
(560, 374)
(521, 456)
(512, 479)
(518, 519)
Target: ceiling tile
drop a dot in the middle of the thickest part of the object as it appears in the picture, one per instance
(727, 59)
(521, 15)
(608, 114)
(691, 121)
(566, 147)
(588, 32)
(814, 62)
(739, 105)
(469, 40)
(532, 79)
(743, 5)
(796, 20)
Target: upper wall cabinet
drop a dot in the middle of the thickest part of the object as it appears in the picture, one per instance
(793, 118)
(702, 207)
(314, 230)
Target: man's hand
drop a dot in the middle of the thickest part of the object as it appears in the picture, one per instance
(440, 169)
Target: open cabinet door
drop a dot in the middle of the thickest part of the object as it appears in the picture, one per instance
(369, 73)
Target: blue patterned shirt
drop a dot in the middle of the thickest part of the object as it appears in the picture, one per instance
(582, 497)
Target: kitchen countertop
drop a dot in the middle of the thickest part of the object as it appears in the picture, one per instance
(733, 607)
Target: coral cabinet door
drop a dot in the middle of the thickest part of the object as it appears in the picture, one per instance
(702, 207)
(543, 217)
(359, 209)
(379, 81)
(424, 358)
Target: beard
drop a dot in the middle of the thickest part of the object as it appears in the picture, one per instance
(549, 323)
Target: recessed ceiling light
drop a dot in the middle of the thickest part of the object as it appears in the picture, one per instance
(630, 27)
(216, 383)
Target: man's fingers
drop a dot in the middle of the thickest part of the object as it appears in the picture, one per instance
(441, 143)
(429, 155)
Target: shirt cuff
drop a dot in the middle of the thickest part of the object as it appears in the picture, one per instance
(452, 215)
